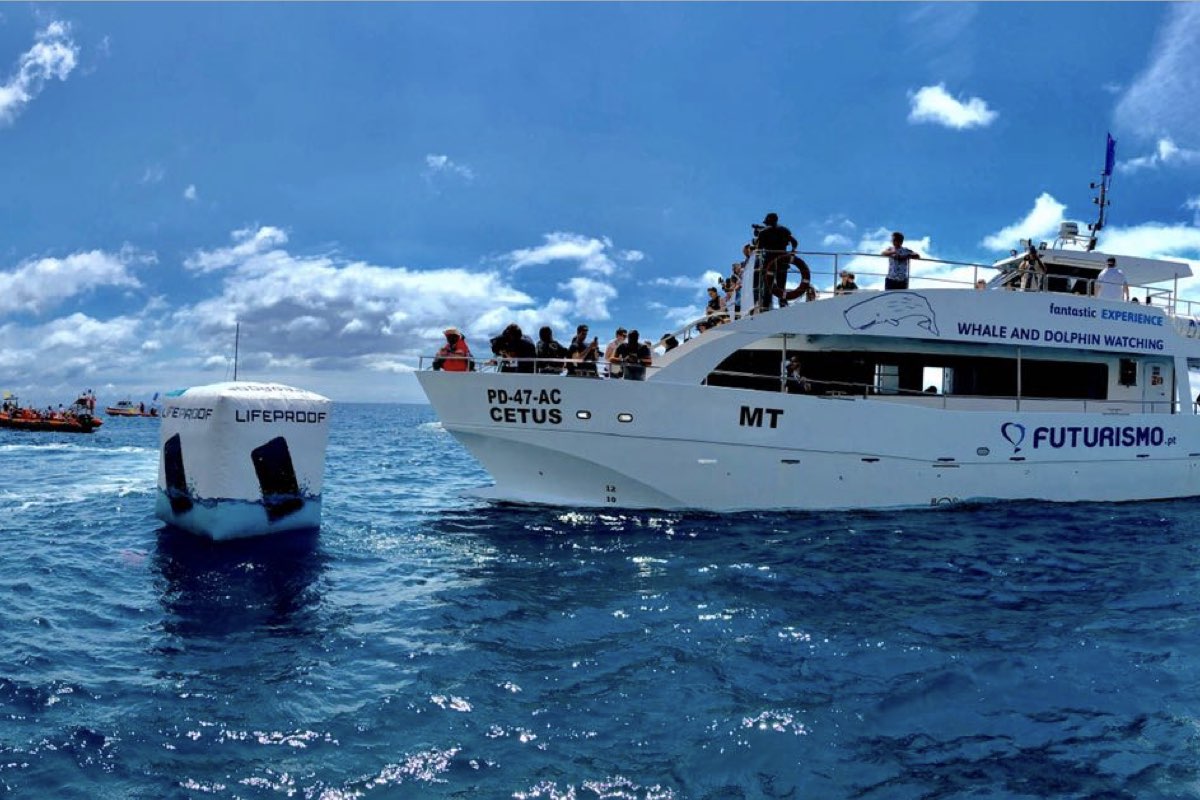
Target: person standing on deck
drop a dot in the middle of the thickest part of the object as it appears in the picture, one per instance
(898, 259)
(614, 367)
(776, 243)
(1111, 284)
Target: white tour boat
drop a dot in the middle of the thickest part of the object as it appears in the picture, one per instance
(933, 395)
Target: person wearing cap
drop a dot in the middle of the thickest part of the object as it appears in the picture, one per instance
(898, 258)
(1111, 284)
(455, 356)
(610, 351)
(773, 242)
(846, 285)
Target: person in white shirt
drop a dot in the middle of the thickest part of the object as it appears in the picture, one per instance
(898, 260)
(1111, 285)
(614, 368)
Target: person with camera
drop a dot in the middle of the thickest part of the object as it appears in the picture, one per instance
(583, 354)
(634, 357)
(776, 245)
(515, 348)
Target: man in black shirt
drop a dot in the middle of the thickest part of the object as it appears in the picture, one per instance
(516, 348)
(634, 357)
(773, 242)
(551, 355)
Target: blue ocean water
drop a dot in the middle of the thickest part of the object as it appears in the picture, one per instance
(428, 645)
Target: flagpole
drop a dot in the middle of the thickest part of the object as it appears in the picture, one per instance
(1110, 152)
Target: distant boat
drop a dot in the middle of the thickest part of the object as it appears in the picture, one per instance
(77, 419)
(128, 408)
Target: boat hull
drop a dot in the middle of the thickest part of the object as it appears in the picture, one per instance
(697, 447)
(44, 426)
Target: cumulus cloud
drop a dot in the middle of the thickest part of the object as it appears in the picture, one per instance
(1166, 154)
(836, 240)
(1040, 223)
(248, 243)
(190, 193)
(935, 105)
(62, 356)
(588, 254)
(54, 55)
(1164, 100)
(443, 165)
(1153, 239)
(41, 284)
(591, 296)
(1193, 204)
(318, 312)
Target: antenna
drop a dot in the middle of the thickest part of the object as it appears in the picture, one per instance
(237, 334)
(1110, 151)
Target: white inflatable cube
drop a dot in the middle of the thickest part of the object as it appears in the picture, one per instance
(242, 459)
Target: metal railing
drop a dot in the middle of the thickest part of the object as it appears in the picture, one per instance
(565, 367)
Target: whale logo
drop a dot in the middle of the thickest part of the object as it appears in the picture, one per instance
(892, 308)
(1014, 433)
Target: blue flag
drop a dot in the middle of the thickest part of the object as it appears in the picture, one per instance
(1110, 155)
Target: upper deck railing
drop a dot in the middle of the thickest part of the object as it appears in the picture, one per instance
(825, 269)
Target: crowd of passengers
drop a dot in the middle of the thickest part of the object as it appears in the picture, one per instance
(626, 356)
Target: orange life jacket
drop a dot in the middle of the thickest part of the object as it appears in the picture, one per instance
(455, 357)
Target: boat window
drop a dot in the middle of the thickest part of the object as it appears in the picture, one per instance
(835, 373)
(1127, 374)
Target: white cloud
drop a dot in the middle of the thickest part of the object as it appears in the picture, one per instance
(59, 356)
(591, 297)
(154, 173)
(1164, 100)
(631, 256)
(190, 192)
(934, 104)
(54, 55)
(675, 316)
(443, 165)
(1167, 153)
(317, 312)
(697, 284)
(836, 240)
(38, 285)
(1040, 223)
(589, 253)
(1154, 240)
(1193, 204)
(249, 243)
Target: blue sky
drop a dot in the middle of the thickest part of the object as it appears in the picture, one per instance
(347, 180)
